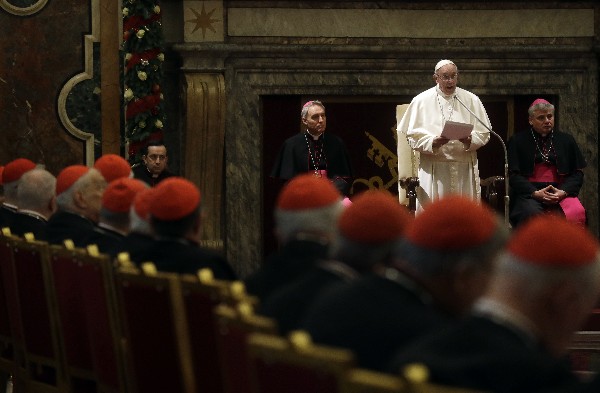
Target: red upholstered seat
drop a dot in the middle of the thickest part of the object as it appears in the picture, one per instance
(234, 325)
(157, 345)
(42, 347)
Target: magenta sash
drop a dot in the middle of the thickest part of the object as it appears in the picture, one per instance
(571, 206)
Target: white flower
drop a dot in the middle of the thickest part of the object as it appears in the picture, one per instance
(142, 124)
(161, 57)
(140, 33)
(128, 56)
(125, 11)
(158, 124)
(142, 75)
(128, 94)
(96, 90)
(157, 9)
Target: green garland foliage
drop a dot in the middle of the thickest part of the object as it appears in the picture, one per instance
(143, 57)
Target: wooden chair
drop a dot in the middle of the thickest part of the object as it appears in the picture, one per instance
(234, 323)
(64, 265)
(98, 292)
(296, 365)
(84, 293)
(44, 359)
(358, 380)
(156, 339)
(201, 293)
(11, 333)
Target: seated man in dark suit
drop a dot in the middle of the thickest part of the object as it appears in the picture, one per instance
(153, 168)
(36, 199)
(306, 212)
(113, 223)
(542, 290)
(175, 218)
(440, 268)
(140, 236)
(79, 192)
(10, 181)
(546, 169)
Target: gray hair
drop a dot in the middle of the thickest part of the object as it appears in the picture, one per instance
(363, 256)
(536, 279)
(308, 105)
(430, 263)
(65, 201)
(542, 106)
(138, 224)
(321, 220)
(36, 188)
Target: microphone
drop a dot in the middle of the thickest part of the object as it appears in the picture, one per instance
(506, 196)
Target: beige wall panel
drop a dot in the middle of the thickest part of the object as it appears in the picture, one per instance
(274, 22)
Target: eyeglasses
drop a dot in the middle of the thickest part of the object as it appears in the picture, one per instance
(156, 157)
(447, 78)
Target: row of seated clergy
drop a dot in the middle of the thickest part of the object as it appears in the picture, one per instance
(366, 315)
(171, 211)
(518, 333)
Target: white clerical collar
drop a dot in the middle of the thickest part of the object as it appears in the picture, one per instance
(315, 137)
(33, 214)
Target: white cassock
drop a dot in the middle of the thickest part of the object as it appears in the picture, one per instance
(451, 168)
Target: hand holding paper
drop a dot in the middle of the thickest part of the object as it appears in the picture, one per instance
(456, 130)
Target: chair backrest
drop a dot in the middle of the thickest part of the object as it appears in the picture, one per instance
(64, 266)
(201, 294)
(84, 292)
(11, 335)
(234, 325)
(294, 364)
(156, 339)
(96, 272)
(41, 338)
(359, 380)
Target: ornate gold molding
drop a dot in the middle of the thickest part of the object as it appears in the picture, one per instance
(23, 11)
(204, 148)
(88, 73)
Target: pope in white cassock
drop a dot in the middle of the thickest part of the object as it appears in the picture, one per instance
(445, 166)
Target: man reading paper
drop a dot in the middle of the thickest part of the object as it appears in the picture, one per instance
(446, 166)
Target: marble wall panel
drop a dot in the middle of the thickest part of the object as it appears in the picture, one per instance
(40, 53)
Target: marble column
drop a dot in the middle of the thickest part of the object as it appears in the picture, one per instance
(204, 137)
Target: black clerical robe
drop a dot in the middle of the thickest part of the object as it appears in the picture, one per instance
(294, 158)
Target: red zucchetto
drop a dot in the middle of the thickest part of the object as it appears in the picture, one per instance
(374, 217)
(68, 176)
(119, 194)
(112, 167)
(548, 240)
(307, 191)
(452, 223)
(142, 202)
(15, 169)
(174, 199)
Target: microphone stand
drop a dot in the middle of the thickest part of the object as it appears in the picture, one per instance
(506, 196)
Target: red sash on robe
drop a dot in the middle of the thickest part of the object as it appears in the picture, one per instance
(571, 206)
